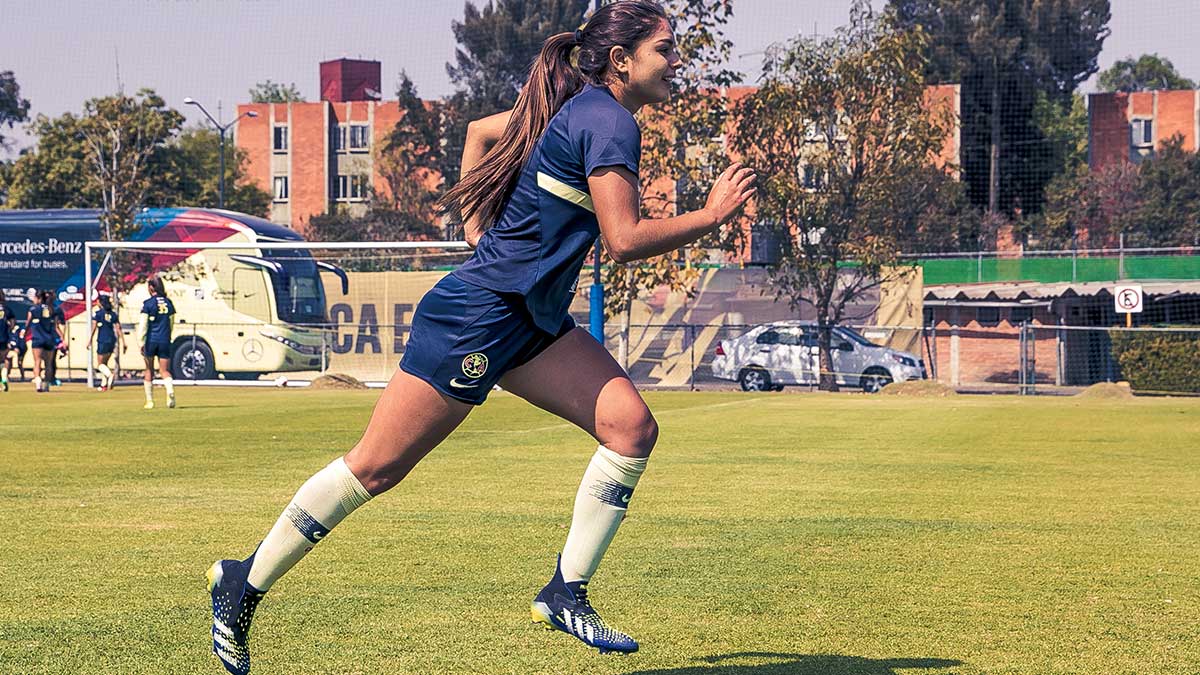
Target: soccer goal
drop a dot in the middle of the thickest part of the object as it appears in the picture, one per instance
(257, 311)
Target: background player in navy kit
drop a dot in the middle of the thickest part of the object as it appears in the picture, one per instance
(106, 331)
(45, 334)
(540, 184)
(60, 347)
(158, 315)
(8, 325)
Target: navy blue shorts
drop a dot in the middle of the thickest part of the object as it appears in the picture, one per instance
(465, 338)
(44, 344)
(160, 349)
(105, 346)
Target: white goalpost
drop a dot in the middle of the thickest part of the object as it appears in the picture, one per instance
(287, 311)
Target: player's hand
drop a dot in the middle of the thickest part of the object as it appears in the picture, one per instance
(143, 350)
(729, 194)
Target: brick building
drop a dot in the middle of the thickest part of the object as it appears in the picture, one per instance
(311, 156)
(1130, 126)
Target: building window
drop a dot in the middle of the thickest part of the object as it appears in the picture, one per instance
(1142, 133)
(350, 188)
(1020, 315)
(281, 188)
(280, 141)
(339, 138)
(360, 138)
(987, 316)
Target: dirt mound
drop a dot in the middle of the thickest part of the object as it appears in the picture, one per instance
(919, 389)
(336, 381)
(1107, 390)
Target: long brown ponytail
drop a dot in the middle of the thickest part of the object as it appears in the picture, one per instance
(553, 79)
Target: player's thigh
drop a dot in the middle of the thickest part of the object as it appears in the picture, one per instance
(578, 380)
(410, 419)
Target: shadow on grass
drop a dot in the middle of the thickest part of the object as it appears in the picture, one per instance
(800, 664)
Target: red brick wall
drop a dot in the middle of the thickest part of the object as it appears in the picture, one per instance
(991, 353)
(1177, 115)
(310, 160)
(387, 114)
(254, 138)
(1173, 113)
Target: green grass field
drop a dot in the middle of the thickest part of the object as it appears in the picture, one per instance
(773, 534)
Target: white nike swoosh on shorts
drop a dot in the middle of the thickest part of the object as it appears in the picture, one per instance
(459, 385)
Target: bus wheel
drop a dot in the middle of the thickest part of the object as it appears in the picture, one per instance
(193, 360)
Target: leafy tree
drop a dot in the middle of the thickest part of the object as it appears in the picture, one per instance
(13, 108)
(185, 174)
(844, 140)
(1155, 203)
(682, 154)
(497, 43)
(1004, 53)
(1169, 187)
(122, 135)
(1087, 209)
(275, 92)
(1148, 71)
(408, 156)
(55, 173)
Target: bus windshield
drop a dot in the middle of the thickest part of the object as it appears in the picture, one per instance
(299, 295)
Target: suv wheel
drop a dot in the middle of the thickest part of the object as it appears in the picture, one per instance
(875, 379)
(754, 379)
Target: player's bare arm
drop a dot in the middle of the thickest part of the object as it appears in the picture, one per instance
(482, 135)
(627, 236)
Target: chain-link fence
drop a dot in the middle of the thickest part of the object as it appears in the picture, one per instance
(1028, 358)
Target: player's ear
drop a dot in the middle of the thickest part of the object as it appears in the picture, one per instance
(619, 60)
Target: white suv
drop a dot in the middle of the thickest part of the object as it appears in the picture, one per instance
(786, 352)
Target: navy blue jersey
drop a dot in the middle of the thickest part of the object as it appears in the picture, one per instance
(160, 310)
(105, 320)
(548, 226)
(41, 324)
(6, 325)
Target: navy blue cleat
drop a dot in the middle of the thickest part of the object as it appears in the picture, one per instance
(233, 604)
(564, 606)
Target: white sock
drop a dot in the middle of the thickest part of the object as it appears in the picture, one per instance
(149, 387)
(319, 505)
(599, 508)
(105, 373)
(170, 385)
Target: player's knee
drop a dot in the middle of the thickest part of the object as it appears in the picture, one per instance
(632, 434)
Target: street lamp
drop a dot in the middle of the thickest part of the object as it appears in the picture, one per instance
(222, 128)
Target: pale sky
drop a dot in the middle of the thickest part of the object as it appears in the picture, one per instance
(64, 53)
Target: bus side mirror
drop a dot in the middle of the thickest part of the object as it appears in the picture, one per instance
(341, 273)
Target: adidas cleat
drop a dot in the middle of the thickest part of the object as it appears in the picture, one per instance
(564, 606)
(233, 604)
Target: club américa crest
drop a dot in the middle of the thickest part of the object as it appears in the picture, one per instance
(475, 365)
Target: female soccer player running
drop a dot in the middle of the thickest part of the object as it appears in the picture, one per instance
(540, 184)
(106, 331)
(45, 334)
(158, 313)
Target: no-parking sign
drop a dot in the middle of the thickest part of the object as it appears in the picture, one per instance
(1128, 299)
